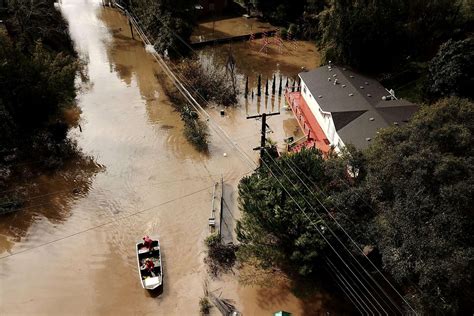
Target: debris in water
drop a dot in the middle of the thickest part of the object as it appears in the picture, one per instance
(150, 49)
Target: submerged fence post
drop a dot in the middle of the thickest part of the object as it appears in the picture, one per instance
(273, 85)
(259, 85)
(280, 86)
(246, 87)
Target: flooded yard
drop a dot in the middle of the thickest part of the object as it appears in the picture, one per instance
(71, 249)
(228, 27)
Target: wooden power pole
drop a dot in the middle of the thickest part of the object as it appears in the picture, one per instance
(263, 136)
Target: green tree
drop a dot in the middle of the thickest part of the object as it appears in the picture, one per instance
(451, 70)
(363, 33)
(273, 231)
(168, 23)
(422, 178)
(377, 35)
(30, 21)
(36, 88)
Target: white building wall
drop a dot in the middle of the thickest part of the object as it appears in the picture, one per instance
(324, 118)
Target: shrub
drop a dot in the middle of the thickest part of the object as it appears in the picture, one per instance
(204, 306)
(220, 257)
(195, 130)
(208, 81)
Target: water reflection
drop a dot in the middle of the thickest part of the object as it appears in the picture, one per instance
(135, 66)
(51, 197)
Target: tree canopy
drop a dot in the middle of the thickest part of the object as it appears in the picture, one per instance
(30, 21)
(38, 68)
(169, 23)
(422, 178)
(37, 71)
(451, 70)
(409, 196)
(273, 229)
(375, 35)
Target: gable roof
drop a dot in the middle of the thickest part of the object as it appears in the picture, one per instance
(355, 103)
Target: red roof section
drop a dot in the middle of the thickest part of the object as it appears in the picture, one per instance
(308, 123)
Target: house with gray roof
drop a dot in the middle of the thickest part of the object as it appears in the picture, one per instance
(348, 108)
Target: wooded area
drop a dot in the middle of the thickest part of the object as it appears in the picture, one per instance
(397, 41)
(38, 67)
(411, 200)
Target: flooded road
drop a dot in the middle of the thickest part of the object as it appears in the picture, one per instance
(70, 251)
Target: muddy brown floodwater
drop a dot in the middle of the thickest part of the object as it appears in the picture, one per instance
(70, 251)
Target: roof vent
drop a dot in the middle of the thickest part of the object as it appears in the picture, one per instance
(369, 95)
(335, 82)
(384, 98)
(395, 123)
(320, 96)
(351, 94)
(351, 76)
(344, 69)
(371, 119)
(334, 75)
(368, 139)
(362, 87)
(366, 83)
(329, 79)
(343, 85)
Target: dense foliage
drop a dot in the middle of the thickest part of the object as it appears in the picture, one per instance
(208, 81)
(30, 21)
(451, 70)
(37, 79)
(273, 231)
(168, 23)
(411, 199)
(376, 35)
(424, 190)
(393, 39)
(37, 88)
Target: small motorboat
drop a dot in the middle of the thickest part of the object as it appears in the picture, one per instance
(151, 274)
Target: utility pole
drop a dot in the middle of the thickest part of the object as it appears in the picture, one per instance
(263, 136)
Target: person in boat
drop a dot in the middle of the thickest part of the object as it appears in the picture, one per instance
(147, 242)
(149, 265)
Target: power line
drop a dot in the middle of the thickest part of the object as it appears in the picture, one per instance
(345, 285)
(326, 211)
(330, 229)
(106, 223)
(207, 115)
(200, 110)
(339, 225)
(135, 186)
